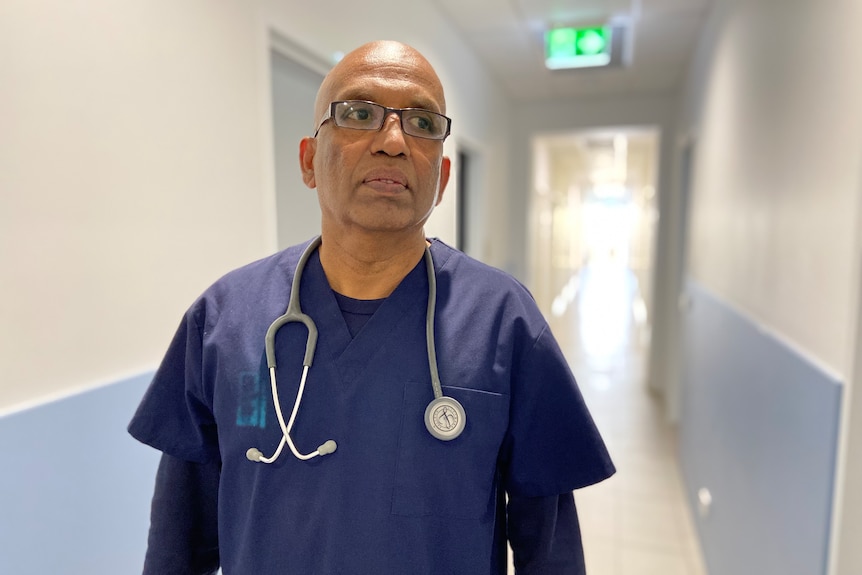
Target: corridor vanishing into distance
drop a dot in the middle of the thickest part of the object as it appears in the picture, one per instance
(637, 522)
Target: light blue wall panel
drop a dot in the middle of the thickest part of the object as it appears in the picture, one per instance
(75, 488)
(759, 429)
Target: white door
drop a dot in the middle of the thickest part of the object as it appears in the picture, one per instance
(294, 88)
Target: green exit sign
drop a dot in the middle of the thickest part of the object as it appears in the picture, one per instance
(577, 47)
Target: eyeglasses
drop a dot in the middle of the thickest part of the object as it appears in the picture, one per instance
(361, 115)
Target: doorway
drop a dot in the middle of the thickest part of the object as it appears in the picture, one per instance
(294, 88)
(470, 232)
(593, 215)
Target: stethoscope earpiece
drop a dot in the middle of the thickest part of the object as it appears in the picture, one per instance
(444, 416)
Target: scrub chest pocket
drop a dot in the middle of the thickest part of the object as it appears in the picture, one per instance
(449, 478)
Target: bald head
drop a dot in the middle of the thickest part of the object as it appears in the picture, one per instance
(382, 66)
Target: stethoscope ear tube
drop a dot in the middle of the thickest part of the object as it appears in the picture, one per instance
(294, 313)
(444, 417)
(310, 344)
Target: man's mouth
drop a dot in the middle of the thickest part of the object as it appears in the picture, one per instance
(390, 184)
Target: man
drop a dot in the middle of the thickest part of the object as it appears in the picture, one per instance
(390, 495)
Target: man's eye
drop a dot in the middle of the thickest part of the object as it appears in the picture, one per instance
(424, 123)
(358, 114)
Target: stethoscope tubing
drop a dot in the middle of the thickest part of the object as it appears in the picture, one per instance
(429, 324)
(294, 314)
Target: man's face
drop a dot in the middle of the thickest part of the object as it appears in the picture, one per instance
(378, 181)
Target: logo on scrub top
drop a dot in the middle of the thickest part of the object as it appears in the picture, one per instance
(252, 400)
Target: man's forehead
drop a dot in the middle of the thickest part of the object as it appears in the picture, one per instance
(408, 73)
(389, 73)
(393, 92)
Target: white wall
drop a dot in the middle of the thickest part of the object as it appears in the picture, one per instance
(773, 100)
(130, 177)
(136, 165)
(779, 150)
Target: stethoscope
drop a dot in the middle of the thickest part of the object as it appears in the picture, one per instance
(444, 417)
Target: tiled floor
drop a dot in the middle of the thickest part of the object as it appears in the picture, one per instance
(637, 522)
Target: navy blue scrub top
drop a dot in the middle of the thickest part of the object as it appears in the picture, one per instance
(392, 498)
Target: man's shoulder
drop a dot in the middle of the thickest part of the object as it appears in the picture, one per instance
(461, 268)
(469, 279)
(258, 278)
(279, 262)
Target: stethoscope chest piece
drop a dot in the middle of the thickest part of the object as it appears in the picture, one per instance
(445, 418)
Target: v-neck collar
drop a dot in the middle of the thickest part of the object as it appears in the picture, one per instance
(351, 355)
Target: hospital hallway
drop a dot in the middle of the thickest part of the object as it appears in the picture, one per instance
(636, 522)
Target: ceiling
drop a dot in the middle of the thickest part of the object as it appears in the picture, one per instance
(508, 36)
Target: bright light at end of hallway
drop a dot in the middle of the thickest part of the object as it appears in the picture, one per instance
(565, 297)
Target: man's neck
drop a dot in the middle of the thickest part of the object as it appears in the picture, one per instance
(369, 266)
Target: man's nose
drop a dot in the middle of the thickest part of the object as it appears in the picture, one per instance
(391, 139)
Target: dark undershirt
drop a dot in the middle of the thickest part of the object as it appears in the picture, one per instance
(356, 312)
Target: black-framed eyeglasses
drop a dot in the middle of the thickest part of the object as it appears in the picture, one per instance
(361, 115)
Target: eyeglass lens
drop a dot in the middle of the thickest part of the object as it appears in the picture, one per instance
(360, 115)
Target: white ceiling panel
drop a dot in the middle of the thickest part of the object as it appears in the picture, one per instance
(658, 39)
(591, 82)
(481, 14)
(659, 6)
(656, 80)
(507, 35)
(564, 12)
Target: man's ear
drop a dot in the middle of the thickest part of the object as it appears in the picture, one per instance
(307, 148)
(445, 167)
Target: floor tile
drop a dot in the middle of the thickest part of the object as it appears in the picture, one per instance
(640, 561)
(638, 522)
